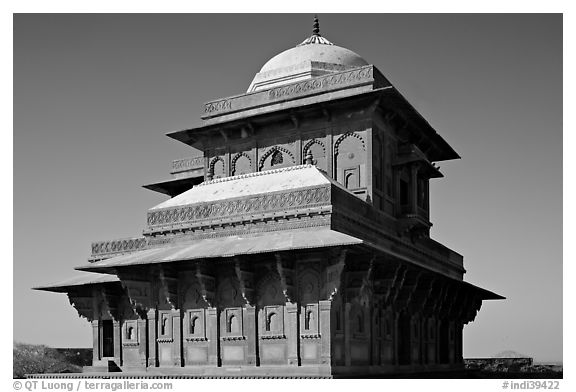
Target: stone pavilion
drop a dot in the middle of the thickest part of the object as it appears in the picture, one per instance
(296, 245)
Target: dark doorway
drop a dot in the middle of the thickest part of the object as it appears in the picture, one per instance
(404, 332)
(444, 342)
(107, 334)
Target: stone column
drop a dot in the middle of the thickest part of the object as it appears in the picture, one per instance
(117, 343)
(347, 335)
(292, 333)
(96, 355)
(249, 313)
(325, 330)
(177, 336)
(212, 335)
(152, 344)
(142, 340)
(414, 188)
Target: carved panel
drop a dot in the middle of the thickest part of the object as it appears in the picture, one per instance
(217, 168)
(317, 151)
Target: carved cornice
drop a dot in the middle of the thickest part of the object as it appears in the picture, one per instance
(200, 214)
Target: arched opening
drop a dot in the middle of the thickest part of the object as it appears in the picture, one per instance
(130, 333)
(164, 325)
(271, 322)
(309, 320)
(232, 326)
(193, 325)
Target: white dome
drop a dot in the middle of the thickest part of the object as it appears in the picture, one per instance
(321, 53)
(314, 57)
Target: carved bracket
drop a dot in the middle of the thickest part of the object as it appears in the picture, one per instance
(139, 292)
(168, 280)
(335, 274)
(285, 275)
(245, 278)
(83, 305)
(206, 283)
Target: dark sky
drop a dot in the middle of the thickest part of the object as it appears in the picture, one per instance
(94, 95)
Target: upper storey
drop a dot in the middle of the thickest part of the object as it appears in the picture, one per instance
(314, 57)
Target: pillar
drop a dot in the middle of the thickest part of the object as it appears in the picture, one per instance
(117, 342)
(212, 335)
(177, 336)
(251, 334)
(152, 344)
(292, 333)
(96, 355)
(142, 340)
(324, 310)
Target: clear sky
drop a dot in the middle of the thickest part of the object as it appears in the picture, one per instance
(95, 94)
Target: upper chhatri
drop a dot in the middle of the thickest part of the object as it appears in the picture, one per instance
(315, 56)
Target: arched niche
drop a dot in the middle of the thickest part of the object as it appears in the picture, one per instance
(241, 164)
(318, 152)
(275, 158)
(217, 168)
(350, 161)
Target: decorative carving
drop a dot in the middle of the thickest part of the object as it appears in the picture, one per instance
(262, 203)
(118, 246)
(347, 135)
(211, 166)
(272, 151)
(218, 106)
(186, 164)
(323, 82)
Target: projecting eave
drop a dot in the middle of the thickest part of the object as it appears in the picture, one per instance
(79, 281)
(393, 100)
(260, 116)
(175, 186)
(485, 294)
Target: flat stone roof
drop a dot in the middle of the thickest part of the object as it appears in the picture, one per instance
(275, 180)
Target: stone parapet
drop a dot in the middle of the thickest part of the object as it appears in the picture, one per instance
(331, 82)
(105, 249)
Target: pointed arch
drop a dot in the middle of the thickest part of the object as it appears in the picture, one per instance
(271, 151)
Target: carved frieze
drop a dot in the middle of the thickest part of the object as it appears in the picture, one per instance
(324, 82)
(119, 246)
(258, 204)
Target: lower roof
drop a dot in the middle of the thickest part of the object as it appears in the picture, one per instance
(317, 237)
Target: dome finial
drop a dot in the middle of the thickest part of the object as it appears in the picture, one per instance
(316, 26)
(316, 38)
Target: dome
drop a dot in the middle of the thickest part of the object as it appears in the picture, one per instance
(321, 53)
(315, 56)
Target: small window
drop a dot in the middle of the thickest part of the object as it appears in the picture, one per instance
(309, 320)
